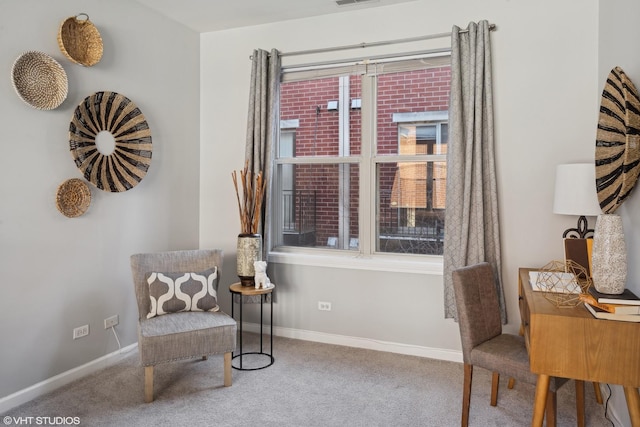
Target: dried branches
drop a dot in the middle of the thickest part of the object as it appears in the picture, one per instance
(249, 199)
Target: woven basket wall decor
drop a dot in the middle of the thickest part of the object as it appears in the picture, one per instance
(39, 80)
(617, 156)
(125, 167)
(80, 40)
(73, 197)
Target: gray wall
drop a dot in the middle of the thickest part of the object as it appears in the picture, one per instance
(60, 273)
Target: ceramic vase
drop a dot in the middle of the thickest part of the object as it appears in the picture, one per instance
(249, 250)
(609, 257)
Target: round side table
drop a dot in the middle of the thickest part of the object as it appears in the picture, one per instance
(242, 291)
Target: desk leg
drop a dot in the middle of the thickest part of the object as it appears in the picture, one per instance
(542, 388)
(633, 402)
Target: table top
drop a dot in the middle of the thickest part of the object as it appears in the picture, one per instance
(237, 288)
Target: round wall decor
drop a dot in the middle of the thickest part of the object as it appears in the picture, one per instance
(73, 197)
(80, 40)
(125, 167)
(39, 80)
(617, 157)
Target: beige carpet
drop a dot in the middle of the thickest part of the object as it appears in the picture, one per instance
(309, 384)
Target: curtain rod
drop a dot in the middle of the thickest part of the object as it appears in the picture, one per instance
(492, 27)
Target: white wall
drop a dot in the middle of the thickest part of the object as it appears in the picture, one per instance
(60, 273)
(618, 46)
(546, 99)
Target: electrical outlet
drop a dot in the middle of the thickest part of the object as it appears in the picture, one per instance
(324, 306)
(80, 332)
(111, 321)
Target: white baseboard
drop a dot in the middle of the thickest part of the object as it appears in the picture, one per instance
(358, 342)
(50, 384)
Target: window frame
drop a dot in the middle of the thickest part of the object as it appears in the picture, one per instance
(366, 257)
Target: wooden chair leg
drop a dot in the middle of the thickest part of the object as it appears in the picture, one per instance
(552, 409)
(227, 369)
(148, 384)
(512, 382)
(598, 392)
(580, 403)
(466, 394)
(495, 382)
(205, 357)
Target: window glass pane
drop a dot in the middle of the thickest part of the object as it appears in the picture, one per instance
(328, 115)
(320, 208)
(410, 96)
(410, 207)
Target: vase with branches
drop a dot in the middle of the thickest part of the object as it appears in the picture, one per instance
(250, 190)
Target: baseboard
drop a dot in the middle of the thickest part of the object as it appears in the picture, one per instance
(50, 384)
(358, 342)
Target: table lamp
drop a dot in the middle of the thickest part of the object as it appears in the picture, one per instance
(575, 194)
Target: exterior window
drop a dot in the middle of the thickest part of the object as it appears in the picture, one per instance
(364, 169)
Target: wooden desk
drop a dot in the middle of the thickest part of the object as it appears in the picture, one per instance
(571, 343)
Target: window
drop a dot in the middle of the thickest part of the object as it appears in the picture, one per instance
(361, 158)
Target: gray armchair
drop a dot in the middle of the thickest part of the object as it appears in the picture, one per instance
(188, 331)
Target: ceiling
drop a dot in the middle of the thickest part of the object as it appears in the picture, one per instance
(213, 15)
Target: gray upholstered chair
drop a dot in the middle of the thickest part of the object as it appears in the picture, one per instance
(484, 344)
(184, 334)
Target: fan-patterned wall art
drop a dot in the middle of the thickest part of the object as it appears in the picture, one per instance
(129, 162)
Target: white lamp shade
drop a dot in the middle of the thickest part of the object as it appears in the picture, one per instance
(575, 192)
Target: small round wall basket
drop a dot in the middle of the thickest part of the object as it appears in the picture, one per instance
(116, 114)
(73, 197)
(39, 80)
(80, 40)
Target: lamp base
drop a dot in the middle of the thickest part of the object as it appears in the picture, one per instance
(581, 232)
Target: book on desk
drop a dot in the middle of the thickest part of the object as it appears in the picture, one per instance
(602, 314)
(625, 298)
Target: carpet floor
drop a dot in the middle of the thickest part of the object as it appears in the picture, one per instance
(310, 384)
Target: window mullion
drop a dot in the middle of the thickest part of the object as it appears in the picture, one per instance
(367, 178)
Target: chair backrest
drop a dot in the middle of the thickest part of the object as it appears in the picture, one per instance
(171, 262)
(477, 305)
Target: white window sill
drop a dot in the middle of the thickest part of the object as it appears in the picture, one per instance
(356, 261)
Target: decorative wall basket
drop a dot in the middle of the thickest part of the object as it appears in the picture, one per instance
(609, 256)
(80, 40)
(128, 164)
(73, 197)
(617, 156)
(39, 80)
(249, 250)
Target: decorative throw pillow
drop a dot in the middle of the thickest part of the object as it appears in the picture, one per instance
(174, 292)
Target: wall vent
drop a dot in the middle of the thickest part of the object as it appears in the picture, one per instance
(351, 2)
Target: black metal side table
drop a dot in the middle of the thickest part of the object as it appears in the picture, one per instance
(242, 291)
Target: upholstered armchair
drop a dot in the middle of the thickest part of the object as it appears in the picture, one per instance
(179, 317)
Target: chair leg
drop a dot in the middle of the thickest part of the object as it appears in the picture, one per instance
(466, 393)
(596, 389)
(552, 409)
(512, 382)
(205, 357)
(227, 369)
(580, 403)
(495, 381)
(148, 384)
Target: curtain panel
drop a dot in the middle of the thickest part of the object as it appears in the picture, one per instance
(262, 127)
(472, 232)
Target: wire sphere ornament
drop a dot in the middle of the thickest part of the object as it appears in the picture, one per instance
(562, 282)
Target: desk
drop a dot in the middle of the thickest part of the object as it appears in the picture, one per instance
(242, 291)
(571, 343)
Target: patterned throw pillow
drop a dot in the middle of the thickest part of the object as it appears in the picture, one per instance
(174, 292)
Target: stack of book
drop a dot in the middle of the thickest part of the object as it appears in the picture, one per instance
(624, 307)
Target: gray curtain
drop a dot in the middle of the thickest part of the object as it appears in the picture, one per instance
(472, 232)
(262, 127)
